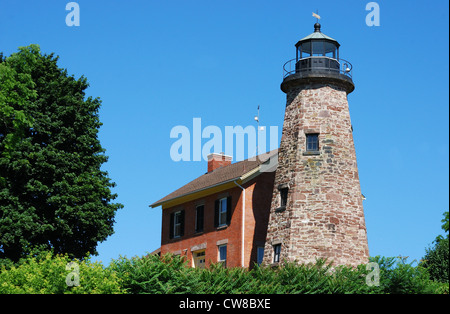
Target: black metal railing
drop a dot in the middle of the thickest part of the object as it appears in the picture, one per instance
(318, 64)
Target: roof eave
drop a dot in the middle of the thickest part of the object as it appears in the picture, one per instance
(241, 179)
(158, 203)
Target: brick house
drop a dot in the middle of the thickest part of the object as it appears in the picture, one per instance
(221, 216)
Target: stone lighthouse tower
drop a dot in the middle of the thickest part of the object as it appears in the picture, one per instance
(317, 209)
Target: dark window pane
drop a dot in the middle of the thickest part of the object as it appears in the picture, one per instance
(312, 142)
(260, 255)
(276, 253)
(283, 195)
(223, 255)
(177, 224)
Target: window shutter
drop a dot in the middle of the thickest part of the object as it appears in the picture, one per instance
(216, 213)
(199, 222)
(182, 223)
(172, 216)
(228, 210)
(202, 220)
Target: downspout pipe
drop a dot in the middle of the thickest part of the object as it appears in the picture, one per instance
(243, 223)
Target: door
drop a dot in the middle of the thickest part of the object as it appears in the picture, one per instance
(199, 259)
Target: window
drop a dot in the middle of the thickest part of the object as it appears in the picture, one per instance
(222, 258)
(176, 224)
(222, 214)
(260, 254)
(276, 253)
(199, 214)
(312, 142)
(283, 196)
(284, 191)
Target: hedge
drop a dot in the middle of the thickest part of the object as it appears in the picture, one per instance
(50, 274)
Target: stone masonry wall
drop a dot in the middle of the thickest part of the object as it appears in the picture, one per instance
(324, 215)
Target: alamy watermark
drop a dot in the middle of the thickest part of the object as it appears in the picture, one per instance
(73, 17)
(373, 17)
(190, 144)
(373, 277)
(73, 278)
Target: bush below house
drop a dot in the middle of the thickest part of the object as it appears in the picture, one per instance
(49, 274)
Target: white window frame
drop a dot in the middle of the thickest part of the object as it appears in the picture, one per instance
(223, 261)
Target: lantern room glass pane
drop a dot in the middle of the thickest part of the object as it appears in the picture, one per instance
(306, 49)
(317, 48)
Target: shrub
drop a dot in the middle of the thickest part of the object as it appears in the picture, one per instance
(47, 274)
(153, 274)
(318, 278)
(170, 274)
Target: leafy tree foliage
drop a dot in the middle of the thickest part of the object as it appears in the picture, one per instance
(16, 90)
(437, 257)
(397, 276)
(53, 193)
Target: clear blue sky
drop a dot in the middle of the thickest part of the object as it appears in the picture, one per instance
(158, 64)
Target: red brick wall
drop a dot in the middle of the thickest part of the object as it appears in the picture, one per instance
(258, 199)
(259, 196)
(218, 160)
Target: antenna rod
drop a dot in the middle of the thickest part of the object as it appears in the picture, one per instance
(257, 133)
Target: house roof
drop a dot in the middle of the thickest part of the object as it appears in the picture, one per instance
(218, 177)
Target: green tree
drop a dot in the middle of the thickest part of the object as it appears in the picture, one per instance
(53, 193)
(16, 90)
(437, 257)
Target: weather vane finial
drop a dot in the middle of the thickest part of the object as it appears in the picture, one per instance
(316, 15)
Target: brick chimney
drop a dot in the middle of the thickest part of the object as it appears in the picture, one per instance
(218, 160)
